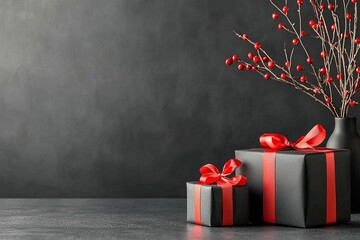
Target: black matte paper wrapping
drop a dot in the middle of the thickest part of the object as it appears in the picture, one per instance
(211, 204)
(300, 195)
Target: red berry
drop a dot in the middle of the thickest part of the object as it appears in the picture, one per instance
(271, 64)
(331, 7)
(320, 22)
(256, 59)
(299, 68)
(357, 41)
(346, 35)
(300, 2)
(323, 71)
(329, 79)
(323, 54)
(358, 69)
(303, 33)
(254, 68)
(267, 76)
(265, 59)
(280, 26)
(357, 85)
(257, 46)
(328, 100)
(235, 58)
(228, 61)
(348, 16)
(248, 67)
(287, 64)
(313, 24)
(250, 55)
(241, 67)
(295, 41)
(352, 103)
(285, 9)
(322, 6)
(283, 76)
(275, 15)
(309, 60)
(333, 27)
(354, 1)
(245, 37)
(339, 76)
(346, 94)
(316, 91)
(303, 79)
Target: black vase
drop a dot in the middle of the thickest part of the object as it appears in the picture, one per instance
(346, 136)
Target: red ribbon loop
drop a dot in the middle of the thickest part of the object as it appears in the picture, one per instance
(311, 140)
(211, 174)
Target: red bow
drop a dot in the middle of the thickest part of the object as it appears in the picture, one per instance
(277, 141)
(211, 174)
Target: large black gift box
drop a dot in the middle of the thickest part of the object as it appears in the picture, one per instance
(212, 205)
(300, 188)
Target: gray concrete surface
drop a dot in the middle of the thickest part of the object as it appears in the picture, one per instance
(135, 219)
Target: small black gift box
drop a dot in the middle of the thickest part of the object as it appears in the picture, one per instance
(210, 204)
(217, 200)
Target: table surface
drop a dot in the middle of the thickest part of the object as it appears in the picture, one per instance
(136, 219)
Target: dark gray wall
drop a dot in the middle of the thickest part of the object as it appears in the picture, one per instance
(128, 98)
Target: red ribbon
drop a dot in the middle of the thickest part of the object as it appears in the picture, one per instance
(330, 188)
(211, 175)
(277, 142)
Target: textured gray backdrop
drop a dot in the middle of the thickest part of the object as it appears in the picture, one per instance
(128, 98)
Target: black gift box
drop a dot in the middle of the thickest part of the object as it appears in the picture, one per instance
(300, 186)
(211, 204)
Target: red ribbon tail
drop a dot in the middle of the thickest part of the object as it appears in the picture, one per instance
(197, 204)
(227, 204)
(330, 188)
(269, 186)
(238, 180)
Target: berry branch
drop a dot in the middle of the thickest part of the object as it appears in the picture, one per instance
(339, 49)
